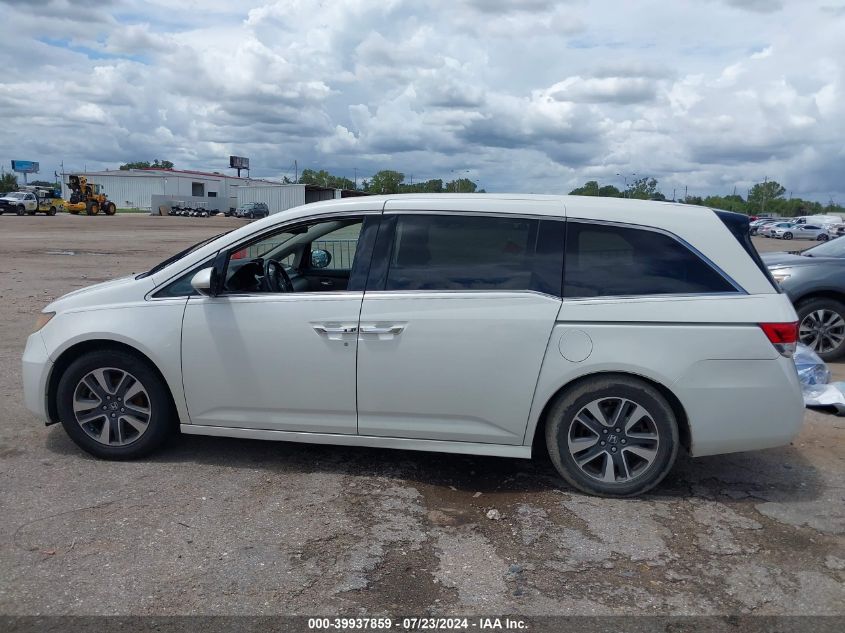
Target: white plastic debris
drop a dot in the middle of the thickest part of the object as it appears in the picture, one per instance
(811, 368)
(832, 395)
(494, 514)
(815, 381)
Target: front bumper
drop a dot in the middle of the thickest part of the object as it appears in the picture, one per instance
(36, 372)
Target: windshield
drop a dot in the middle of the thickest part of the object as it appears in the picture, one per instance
(179, 255)
(833, 248)
(16, 196)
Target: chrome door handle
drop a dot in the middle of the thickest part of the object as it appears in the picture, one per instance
(332, 329)
(378, 329)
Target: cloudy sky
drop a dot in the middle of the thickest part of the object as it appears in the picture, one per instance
(530, 95)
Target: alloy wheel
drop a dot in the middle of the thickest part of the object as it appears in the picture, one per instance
(613, 440)
(112, 406)
(822, 330)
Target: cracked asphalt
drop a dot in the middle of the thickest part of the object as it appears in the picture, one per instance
(222, 526)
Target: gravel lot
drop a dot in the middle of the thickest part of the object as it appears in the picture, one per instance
(221, 526)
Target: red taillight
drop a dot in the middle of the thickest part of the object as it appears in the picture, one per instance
(239, 254)
(784, 336)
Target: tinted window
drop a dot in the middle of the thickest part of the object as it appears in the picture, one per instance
(454, 252)
(604, 260)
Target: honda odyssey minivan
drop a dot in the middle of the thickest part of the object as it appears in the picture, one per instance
(610, 332)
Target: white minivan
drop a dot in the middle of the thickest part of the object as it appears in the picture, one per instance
(612, 332)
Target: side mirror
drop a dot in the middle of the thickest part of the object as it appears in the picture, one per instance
(203, 282)
(320, 258)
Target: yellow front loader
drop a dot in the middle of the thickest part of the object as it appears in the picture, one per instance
(87, 197)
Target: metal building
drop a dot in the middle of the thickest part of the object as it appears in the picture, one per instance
(134, 188)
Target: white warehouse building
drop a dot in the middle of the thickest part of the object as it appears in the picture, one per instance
(150, 187)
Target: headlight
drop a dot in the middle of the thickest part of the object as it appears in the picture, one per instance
(43, 319)
(781, 275)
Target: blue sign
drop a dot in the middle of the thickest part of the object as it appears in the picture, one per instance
(25, 166)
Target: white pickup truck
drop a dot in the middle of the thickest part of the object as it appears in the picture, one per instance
(19, 202)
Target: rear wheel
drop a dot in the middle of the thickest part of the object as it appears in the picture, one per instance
(92, 208)
(110, 208)
(114, 405)
(823, 237)
(613, 436)
(822, 327)
(52, 211)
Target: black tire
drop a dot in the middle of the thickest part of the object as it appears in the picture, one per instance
(52, 211)
(787, 236)
(806, 310)
(161, 418)
(110, 208)
(823, 237)
(21, 210)
(561, 422)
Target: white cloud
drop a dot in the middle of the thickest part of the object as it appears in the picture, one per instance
(539, 95)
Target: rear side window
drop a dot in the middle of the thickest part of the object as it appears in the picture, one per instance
(608, 260)
(455, 252)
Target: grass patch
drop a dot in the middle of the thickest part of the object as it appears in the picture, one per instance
(132, 210)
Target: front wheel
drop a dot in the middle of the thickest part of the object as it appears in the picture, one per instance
(21, 210)
(114, 405)
(822, 327)
(110, 208)
(612, 436)
(787, 236)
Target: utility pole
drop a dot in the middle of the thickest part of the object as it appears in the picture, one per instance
(295, 171)
(356, 179)
(765, 182)
(673, 194)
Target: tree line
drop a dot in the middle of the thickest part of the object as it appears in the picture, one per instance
(387, 181)
(764, 198)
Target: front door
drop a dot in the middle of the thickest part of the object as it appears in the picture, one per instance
(272, 351)
(455, 324)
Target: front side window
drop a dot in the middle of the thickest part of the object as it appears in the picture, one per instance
(609, 260)
(317, 256)
(456, 252)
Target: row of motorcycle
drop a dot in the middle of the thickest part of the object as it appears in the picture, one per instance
(199, 210)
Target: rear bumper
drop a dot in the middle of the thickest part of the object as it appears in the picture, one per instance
(36, 372)
(741, 405)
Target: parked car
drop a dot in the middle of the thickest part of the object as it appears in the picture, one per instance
(768, 229)
(757, 225)
(252, 210)
(801, 232)
(814, 280)
(19, 202)
(453, 326)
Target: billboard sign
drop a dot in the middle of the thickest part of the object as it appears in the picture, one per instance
(238, 162)
(25, 166)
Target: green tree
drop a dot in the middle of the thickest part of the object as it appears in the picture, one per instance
(323, 178)
(609, 191)
(8, 182)
(590, 188)
(385, 181)
(461, 185)
(142, 164)
(44, 183)
(644, 189)
(762, 194)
